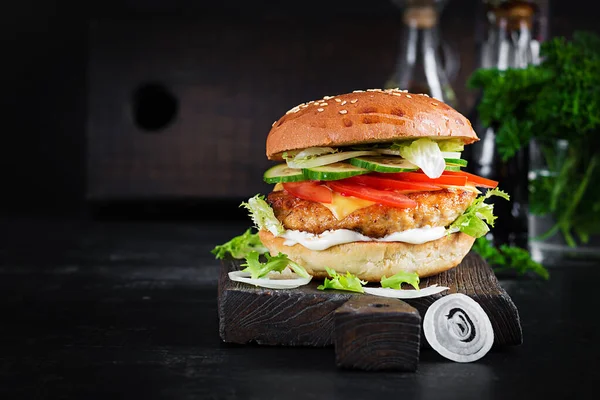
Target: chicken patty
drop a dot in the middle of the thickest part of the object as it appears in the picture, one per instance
(439, 208)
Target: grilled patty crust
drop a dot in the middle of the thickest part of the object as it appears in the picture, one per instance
(438, 208)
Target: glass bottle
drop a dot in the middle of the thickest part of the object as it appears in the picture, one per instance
(511, 39)
(424, 62)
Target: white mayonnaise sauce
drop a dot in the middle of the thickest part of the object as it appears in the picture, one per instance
(328, 239)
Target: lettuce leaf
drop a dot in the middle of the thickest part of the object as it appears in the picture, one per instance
(425, 154)
(262, 215)
(240, 246)
(476, 218)
(276, 263)
(346, 282)
(395, 281)
(451, 145)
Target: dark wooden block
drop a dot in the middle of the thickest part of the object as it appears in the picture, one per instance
(475, 278)
(305, 316)
(294, 317)
(376, 333)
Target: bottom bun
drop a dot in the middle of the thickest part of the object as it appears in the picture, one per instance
(370, 261)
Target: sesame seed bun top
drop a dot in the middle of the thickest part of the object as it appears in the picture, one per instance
(361, 117)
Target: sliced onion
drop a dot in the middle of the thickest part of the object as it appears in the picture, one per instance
(451, 154)
(458, 328)
(271, 282)
(445, 154)
(405, 293)
(389, 152)
(318, 161)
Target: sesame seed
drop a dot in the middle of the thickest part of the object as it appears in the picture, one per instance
(353, 101)
(409, 96)
(327, 97)
(343, 112)
(338, 100)
(435, 104)
(293, 110)
(425, 94)
(343, 102)
(320, 109)
(405, 91)
(316, 103)
(371, 90)
(274, 122)
(323, 104)
(396, 94)
(357, 91)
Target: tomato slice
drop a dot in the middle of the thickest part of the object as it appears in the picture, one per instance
(456, 180)
(475, 179)
(309, 190)
(393, 184)
(385, 197)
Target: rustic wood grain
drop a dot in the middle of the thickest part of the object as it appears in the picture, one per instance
(477, 280)
(293, 317)
(306, 316)
(375, 333)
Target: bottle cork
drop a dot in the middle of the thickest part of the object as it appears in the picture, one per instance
(515, 14)
(423, 16)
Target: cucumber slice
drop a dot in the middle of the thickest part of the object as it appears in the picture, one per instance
(384, 164)
(456, 161)
(454, 168)
(333, 172)
(283, 173)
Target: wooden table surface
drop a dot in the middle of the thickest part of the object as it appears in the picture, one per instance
(129, 310)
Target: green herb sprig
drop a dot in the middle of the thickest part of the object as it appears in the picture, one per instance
(556, 99)
(508, 258)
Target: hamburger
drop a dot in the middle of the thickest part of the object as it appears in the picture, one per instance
(372, 183)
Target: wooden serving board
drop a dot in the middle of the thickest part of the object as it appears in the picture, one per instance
(368, 332)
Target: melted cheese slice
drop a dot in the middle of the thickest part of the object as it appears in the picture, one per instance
(342, 206)
(467, 187)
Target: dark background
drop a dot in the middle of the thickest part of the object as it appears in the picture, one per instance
(128, 309)
(259, 59)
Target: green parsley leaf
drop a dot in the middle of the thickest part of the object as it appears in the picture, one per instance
(508, 258)
(557, 99)
(395, 281)
(240, 246)
(346, 282)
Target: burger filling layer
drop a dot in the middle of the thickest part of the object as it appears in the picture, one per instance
(318, 226)
(372, 220)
